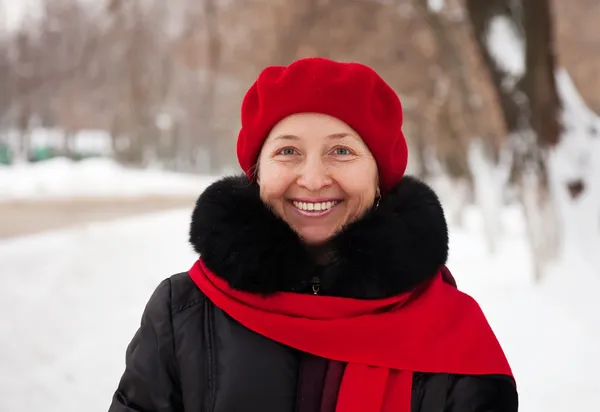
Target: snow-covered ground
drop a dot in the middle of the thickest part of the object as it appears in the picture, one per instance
(550, 331)
(63, 178)
(72, 300)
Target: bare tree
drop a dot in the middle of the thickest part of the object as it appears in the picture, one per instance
(208, 98)
(6, 80)
(530, 106)
(68, 42)
(25, 81)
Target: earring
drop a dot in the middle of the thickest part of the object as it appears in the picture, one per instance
(378, 198)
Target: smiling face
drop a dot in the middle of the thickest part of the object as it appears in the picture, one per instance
(317, 174)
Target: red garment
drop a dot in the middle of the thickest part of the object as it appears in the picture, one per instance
(351, 92)
(333, 377)
(319, 382)
(438, 330)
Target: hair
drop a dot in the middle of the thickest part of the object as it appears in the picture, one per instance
(254, 171)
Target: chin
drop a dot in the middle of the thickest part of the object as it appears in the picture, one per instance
(313, 238)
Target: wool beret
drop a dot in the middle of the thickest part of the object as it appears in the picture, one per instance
(351, 92)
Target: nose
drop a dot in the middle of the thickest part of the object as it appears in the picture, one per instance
(314, 175)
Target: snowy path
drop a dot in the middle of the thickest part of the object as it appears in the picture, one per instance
(72, 300)
(21, 217)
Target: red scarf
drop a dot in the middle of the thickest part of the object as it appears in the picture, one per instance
(383, 341)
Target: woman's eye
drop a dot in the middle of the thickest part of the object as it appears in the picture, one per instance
(288, 151)
(342, 151)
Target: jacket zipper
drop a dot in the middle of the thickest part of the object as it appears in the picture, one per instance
(316, 285)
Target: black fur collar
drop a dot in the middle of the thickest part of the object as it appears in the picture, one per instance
(392, 249)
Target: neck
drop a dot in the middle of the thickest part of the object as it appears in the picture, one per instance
(322, 254)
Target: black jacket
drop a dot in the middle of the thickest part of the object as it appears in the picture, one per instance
(189, 356)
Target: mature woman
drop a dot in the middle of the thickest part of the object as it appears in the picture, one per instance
(321, 285)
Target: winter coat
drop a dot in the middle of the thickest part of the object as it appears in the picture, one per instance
(189, 356)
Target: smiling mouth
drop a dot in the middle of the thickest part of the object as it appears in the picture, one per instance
(315, 209)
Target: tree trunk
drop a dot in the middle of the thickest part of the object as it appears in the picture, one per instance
(531, 108)
(481, 14)
(23, 153)
(209, 98)
(305, 14)
(539, 83)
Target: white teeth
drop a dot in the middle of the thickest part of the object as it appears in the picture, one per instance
(318, 207)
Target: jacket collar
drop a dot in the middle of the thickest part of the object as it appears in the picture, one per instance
(392, 249)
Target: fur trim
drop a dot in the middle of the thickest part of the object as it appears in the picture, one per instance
(392, 249)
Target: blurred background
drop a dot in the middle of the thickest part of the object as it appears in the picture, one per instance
(116, 114)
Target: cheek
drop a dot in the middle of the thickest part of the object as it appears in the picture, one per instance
(360, 183)
(273, 183)
(364, 195)
(361, 194)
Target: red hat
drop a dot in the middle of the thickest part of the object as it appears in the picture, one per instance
(351, 92)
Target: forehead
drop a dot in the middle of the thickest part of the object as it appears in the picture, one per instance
(303, 126)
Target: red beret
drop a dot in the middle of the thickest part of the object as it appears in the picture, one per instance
(351, 92)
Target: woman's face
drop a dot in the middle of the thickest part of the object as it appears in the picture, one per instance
(317, 174)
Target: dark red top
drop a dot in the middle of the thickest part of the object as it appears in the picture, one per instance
(319, 382)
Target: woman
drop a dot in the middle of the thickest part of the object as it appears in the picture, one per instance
(321, 285)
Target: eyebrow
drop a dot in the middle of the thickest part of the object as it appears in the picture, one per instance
(331, 136)
(287, 137)
(340, 135)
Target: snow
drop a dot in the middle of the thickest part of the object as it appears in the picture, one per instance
(577, 158)
(549, 331)
(489, 182)
(12, 13)
(506, 46)
(435, 5)
(63, 178)
(73, 299)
